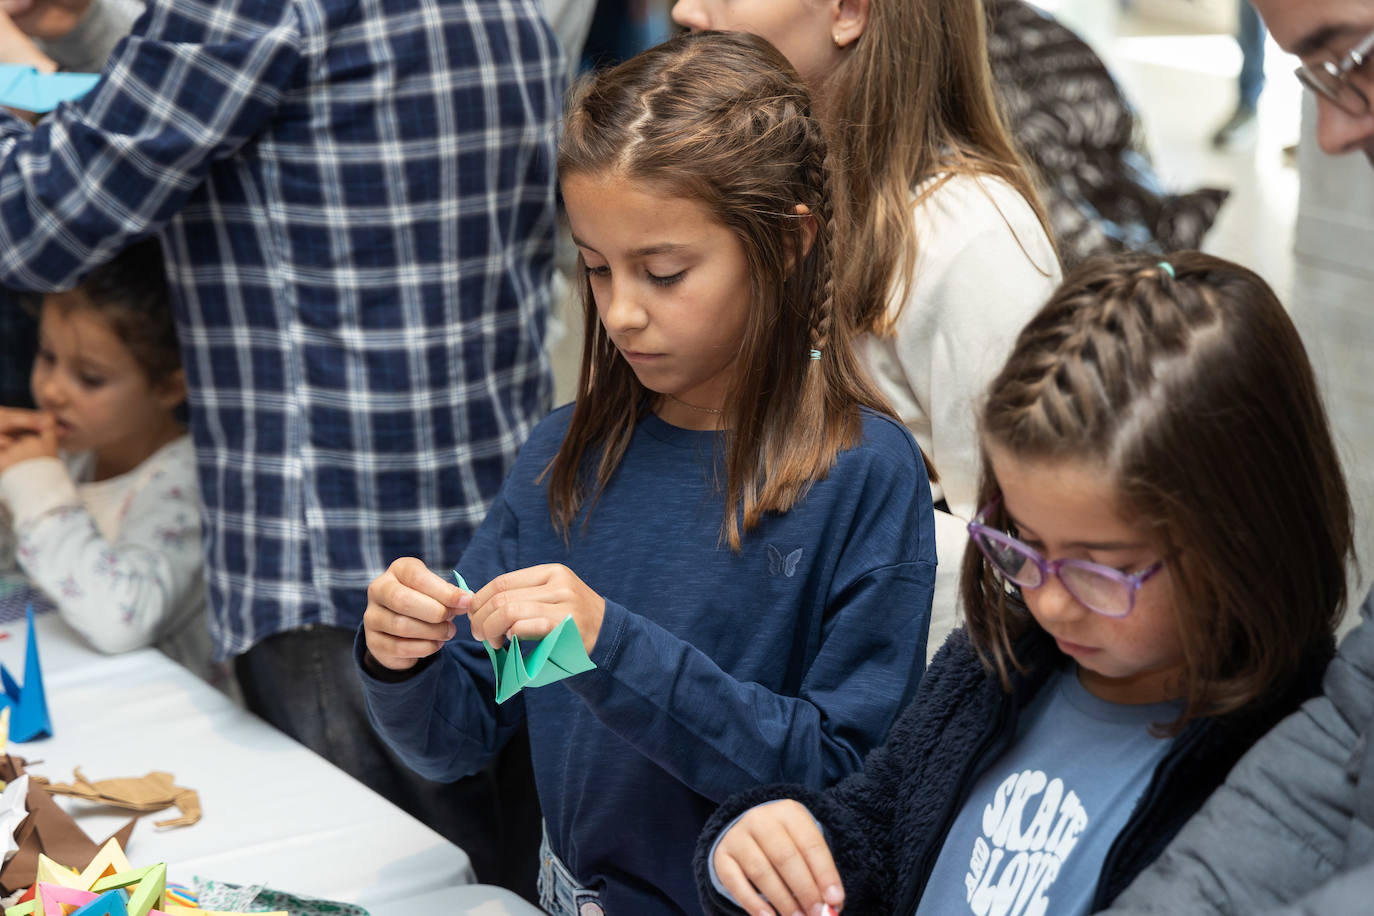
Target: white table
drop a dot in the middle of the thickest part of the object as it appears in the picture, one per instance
(275, 813)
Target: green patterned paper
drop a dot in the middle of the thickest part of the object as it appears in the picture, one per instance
(220, 895)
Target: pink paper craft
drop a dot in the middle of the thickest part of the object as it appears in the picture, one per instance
(55, 895)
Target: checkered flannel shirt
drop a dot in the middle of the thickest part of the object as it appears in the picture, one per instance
(356, 199)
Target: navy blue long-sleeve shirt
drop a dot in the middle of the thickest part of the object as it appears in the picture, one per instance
(716, 671)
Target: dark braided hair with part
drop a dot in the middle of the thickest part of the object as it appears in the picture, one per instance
(722, 119)
(1186, 382)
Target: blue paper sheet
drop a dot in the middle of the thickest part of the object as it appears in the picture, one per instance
(26, 89)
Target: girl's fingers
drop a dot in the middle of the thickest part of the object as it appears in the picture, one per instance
(816, 859)
(761, 871)
(508, 610)
(410, 589)
(733, 880)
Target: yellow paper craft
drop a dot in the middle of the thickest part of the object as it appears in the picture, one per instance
(147, 793)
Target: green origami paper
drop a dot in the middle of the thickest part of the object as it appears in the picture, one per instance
(558, 655)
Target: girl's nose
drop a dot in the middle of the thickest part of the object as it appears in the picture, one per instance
(48, 390)
(622, 312)
(691, 14)
(1339, 132)
(1052, 602)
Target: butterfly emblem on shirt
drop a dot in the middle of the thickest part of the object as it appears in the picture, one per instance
(778, 565)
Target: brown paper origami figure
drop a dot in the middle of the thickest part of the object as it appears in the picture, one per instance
(49, 830)
(143, 794)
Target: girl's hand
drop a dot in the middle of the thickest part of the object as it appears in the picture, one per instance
(776, 851)
(25, 434)
(409, 614)
(530, 602)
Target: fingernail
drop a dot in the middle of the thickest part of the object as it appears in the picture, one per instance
(835, 894)
(464, 602)
(452, 632)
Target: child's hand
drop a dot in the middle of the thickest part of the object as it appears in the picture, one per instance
(409, 614)
(25, 434)
(530, 602)
(776, 851)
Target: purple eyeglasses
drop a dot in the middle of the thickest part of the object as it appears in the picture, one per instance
(1099, 588)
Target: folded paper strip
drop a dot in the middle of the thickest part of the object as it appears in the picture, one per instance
(558, 655)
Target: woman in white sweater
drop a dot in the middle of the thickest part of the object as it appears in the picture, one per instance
(948, 251)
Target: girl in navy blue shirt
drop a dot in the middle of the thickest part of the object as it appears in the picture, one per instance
(740, 533)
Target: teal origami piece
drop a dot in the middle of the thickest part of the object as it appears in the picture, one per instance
(26, 89)
(558, 655)
(28, 705)
(110, 903)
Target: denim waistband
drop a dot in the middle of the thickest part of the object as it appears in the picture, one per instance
(559, 892)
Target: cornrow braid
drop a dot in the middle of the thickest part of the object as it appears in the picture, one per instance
(1186, 385)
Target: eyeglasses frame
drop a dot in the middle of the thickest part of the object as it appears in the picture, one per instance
(1132, 581)
(1340, 71)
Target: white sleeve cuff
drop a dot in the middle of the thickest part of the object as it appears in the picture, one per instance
(36, 487)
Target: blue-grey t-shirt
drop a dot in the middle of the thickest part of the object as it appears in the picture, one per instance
(1033, 835)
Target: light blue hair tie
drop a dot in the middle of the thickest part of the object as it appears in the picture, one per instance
(815, 354)
(1167, 268)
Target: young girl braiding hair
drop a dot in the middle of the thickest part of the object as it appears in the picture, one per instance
(742, 538)
(1153, 582)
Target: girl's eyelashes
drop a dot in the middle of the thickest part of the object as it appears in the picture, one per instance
(665, 281)
(91, 381)
(602, 271)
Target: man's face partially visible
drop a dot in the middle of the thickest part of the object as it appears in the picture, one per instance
(1326, 30)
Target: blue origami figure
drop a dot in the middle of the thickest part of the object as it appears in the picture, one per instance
(25, 88)
(28, 705)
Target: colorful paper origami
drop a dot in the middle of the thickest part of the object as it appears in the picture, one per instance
(48, 830)
(145, 793)
(26, 89)
(14, 808)
(558, 655)
(28, 704)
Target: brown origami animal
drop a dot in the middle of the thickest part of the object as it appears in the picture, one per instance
(145, 793)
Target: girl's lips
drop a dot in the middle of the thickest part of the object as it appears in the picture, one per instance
(1073, 648)
(637, 357)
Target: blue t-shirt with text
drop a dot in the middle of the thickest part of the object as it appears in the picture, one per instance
(1034, 832)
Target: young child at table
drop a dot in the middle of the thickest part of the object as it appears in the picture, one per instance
(99, 482)
(1152, 582)
(741, 534)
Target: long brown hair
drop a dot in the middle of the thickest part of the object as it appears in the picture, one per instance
(722, 119)
(1188, 382)
(912, 100)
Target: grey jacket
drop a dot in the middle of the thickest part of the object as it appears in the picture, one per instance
(1291, 831)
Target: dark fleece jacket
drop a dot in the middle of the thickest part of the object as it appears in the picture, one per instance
(886, 824)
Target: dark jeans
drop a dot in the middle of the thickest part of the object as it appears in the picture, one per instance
(304, 682)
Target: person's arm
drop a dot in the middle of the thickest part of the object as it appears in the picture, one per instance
(1349, 893)
(429, 687)
(122, 594)
(78, 35)
(1279, 824)
(981, 274)
(178, 95)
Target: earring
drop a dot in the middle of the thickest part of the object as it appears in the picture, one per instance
(836, 36)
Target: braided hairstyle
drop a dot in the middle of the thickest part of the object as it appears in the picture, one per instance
(724, 120)
(1186, 381)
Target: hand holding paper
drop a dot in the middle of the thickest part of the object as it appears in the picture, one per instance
(561, 653)
(409, 614)
(530, 602)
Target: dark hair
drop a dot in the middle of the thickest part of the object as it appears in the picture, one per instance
(130, 292)
(722, 119)
(1191, 385)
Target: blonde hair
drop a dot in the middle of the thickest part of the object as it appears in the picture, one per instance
(722, 119)
(911, 105)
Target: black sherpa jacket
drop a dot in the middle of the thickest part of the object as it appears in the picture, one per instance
(887, 823)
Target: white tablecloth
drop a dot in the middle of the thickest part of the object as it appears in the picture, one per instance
(274, 812)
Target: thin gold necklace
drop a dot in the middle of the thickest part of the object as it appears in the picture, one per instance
(713, 410)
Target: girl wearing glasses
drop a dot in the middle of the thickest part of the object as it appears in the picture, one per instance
(1153, 582)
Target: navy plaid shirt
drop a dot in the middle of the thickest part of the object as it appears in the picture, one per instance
(356, 199)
